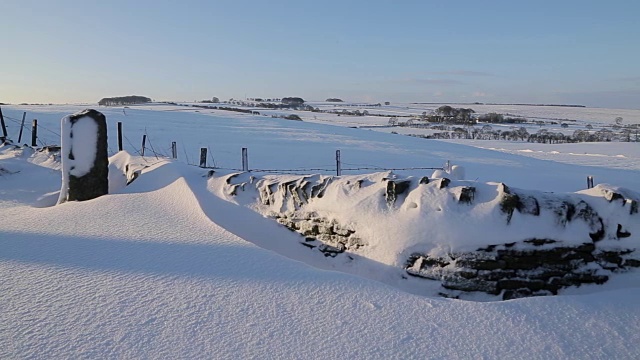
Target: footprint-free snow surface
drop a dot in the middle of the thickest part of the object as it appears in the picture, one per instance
(163, 268)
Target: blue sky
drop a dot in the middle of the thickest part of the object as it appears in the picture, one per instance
(584, 52)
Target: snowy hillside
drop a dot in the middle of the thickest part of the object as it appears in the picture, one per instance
(186, 262)
(281, 144)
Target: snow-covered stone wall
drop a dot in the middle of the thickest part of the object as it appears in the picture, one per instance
(470, 236)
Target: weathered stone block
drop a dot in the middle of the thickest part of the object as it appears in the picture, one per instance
(85, 162)
(467, 194)
(396, 188)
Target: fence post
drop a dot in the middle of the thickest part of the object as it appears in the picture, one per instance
(4, 128)
(203, 157)
(589, 182)
(119, 136)
(245, 159)
(34, 132)
(144, 141)
(174, 150)
(338, 164)
(24, 114)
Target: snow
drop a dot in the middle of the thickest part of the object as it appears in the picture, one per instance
(457, 172)
(168, 267)
(428, 218)
(83, 146)
(284, 144)
(599, 154)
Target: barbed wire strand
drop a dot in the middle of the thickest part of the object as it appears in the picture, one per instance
(133, 147)
(184, 150)
(213, 160)
(38, 139)
(293, 171)
(367, 165)
(348, 169)
(19, 121)
(150, 144)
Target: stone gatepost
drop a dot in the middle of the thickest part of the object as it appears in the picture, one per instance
(85, 162)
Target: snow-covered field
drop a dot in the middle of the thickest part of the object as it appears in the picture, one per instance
(168, 268)
(600, 154)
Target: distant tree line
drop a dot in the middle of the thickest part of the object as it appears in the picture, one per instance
(450, 115)
(246, 111)
(124, 100)
(282, 106)
(347, 112)
(260, 100)
(543, 136)
(361, 105)
(334, 100)
(266, 105)
(495, 118)
(447, 114)
(213, 100)
(295, 101)
(226, 108)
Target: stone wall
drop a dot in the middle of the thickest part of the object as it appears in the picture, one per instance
(528, 266)
(517, 270)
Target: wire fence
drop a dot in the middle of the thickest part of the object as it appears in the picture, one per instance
(20, 124)
(166, 153)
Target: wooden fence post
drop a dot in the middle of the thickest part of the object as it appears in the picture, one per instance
(144, 141)
(338, 164)
(34, 132)
(174, 150)
(24, 115)
(203, 157)
(119, 136)
(4, 128)
(245, 159)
